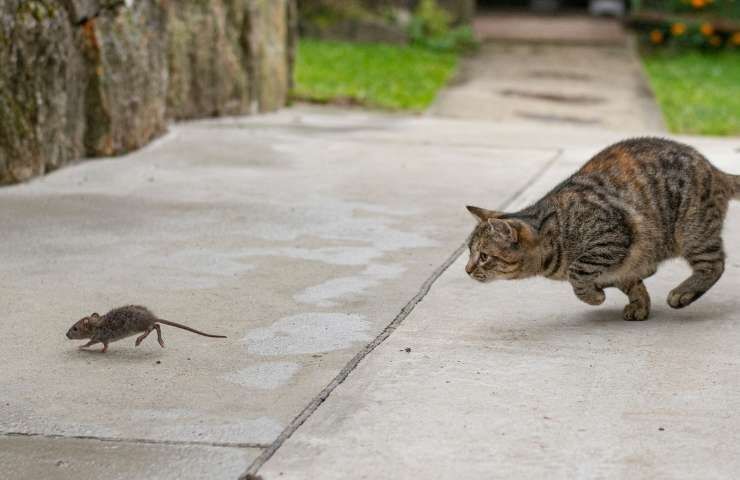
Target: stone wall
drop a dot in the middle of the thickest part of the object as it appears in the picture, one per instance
(102, 77)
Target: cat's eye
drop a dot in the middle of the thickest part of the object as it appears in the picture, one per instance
(482, 257)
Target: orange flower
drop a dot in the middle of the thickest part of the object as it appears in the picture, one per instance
(715, 41)
(706, 29)
(698, 3)
(735, 38)
(656, 36)
(678, 29)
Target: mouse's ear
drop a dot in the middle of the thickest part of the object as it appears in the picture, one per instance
(94, 319)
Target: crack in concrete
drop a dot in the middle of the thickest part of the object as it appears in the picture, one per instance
(137, 440)
(316, 402)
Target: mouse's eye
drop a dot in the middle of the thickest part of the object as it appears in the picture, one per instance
(74, 328)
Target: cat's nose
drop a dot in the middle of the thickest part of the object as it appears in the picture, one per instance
(469, 268)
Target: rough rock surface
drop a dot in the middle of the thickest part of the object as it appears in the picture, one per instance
(125, 52)
(251, 70)
(208, 56)
(102, 77)
(272, 42)
(40, 100)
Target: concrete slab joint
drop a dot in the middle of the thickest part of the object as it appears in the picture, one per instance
(340, 314)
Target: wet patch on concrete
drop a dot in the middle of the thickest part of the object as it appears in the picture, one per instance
(384, 271)
(553, 97)
(558, 118)
(365, 232)
(204, 268)
(267, 375)
(308, 333)
(559, 75)
(333, 219)
(326, 294)
(330, 255)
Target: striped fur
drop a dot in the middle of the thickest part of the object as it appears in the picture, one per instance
(633, 205)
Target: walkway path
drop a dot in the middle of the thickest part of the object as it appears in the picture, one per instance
(562, 70)
(302, 235)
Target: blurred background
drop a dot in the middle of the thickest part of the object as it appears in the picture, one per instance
(689, 49)
(88, 78)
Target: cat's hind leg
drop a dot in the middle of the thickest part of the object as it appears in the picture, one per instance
(639, 306)
(707, 260)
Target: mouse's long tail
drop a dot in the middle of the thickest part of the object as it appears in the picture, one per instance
(179, 325)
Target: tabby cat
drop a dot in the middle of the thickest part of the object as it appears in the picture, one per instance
(633, 205)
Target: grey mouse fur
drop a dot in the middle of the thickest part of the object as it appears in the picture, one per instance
(120, 323)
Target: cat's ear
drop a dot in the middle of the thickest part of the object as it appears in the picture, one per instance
(482, 214)
(503, 231)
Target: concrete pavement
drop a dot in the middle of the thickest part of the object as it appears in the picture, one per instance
(298, 235)
(521, 380)
(575, 70)
(301, 235)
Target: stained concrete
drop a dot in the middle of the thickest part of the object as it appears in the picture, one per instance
(521, 380)
(298, 235)
(301, 235)
(552, 71)
(72, 459)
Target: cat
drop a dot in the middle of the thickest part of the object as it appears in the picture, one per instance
(635, 204)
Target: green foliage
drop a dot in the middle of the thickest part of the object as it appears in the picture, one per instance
(431, 27)
(714, 8)
(680, 24)
(377, 75)
(698, 93)
(680, 34)
(325, 14)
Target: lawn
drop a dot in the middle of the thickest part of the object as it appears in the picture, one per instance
(699, 93)
(375, 75)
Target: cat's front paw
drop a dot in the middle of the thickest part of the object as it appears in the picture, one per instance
(636, 312)
(592, 296)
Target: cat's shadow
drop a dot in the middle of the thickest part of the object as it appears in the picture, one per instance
(660, 313)
(605, 321)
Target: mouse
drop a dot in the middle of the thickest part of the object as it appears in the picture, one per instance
(120, 323)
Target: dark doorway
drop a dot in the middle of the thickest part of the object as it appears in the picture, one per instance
(568, 5)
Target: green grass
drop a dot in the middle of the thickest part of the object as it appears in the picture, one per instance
(699, 93)
(375, 75)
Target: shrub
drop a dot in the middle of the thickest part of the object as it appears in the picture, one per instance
(432, 27)
(705, 24)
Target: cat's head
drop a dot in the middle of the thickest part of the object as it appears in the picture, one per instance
(500, 248)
